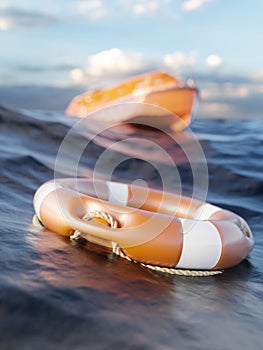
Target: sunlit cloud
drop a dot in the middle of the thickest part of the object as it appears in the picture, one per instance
(145, 7)
(231, 90)
(210, 109)
(93, 9)
(210, 90)
(140, 8)
(77, 75)
(228, 90)
(180, 60)
(5, 23)
(114, 62)
(191, 5)
(214, 61)
(230, 99)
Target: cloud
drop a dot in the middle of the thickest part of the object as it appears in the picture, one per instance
(191, 5)
(44, 69)
(180, 60)
(115, 62)
(227, 90)
(40, 74)
(216, 109)
(145, 7)
(239, 91)
(214, 61)
(77, 75)
(222, 78)
(227, 96)
(260, 89)
(5, 23)
(87, 5)
(94, 10)
(258, 75)
(14, 17)
(231, 108)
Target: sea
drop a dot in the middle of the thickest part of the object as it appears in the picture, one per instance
(55, 294)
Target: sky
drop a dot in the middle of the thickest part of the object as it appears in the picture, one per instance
(95, 43)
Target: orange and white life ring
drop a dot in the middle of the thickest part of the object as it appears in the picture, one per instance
(154, 227)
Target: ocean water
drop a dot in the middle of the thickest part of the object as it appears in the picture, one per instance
(59, 295)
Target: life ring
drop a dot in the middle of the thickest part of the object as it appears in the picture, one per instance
(154, 227)
(141, 94)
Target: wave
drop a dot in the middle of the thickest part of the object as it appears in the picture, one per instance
(76, 294)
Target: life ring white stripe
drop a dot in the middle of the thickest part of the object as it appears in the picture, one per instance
(42, 193)
(118, 193)
(202, 245)
(205, 211)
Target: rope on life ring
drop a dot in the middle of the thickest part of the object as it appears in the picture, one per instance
(113, 223)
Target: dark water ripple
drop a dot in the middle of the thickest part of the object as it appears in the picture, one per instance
(56, 295)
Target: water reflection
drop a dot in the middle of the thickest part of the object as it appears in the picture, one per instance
(128, 303)
(130, 151)
(65, 263)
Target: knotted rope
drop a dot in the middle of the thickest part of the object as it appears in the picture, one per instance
(118, 251)
(96, 214)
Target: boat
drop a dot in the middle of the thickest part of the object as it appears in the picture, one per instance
(155, 98)
(147, 226)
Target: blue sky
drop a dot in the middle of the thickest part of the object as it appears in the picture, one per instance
(89, 43)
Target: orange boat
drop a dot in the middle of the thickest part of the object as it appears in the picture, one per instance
(144, 93)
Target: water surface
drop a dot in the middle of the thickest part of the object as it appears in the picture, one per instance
(57, 295)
